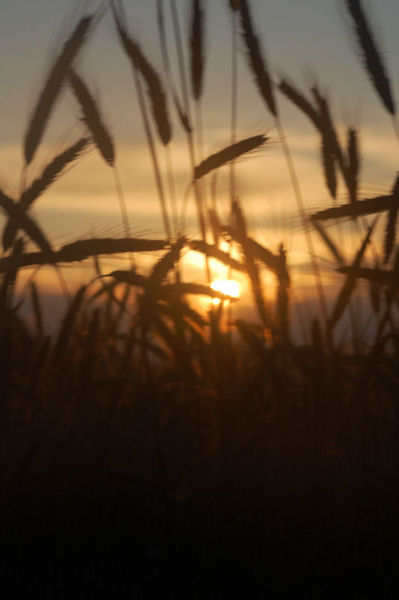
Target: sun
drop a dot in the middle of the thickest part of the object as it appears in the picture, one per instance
(229, 287)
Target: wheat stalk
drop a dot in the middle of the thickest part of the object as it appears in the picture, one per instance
(120, 21)
(297, 98)
(154, 282)
(23, 221)
(155, 89)
(52, 87)
(256, 58)
(365, 207)
(212, 251)
(373, 275)
(197, 58)
(331, 138)
(373, 62)
(264, 84)
(328, 164)
(353, 163)
(183, 117)
(229, 153)
(250, 263)
(39, 185)
(130, 277)
(83, 249)
(92, 117)
(181, 288)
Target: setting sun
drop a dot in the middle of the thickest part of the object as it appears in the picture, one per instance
(227, 287)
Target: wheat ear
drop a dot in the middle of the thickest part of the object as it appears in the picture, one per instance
(371, 55)
(197, 58)
(92, 117)
(39, 185)
(52, 87)
(229, 153)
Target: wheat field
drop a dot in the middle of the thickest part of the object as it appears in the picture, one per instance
(194, 423)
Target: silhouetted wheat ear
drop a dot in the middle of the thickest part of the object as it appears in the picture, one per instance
(256, 58)
(369, 206)
(130, 277)
(165, 265)
(212, 251)
(92, 117)
(329, 134)
(239, 221)
(52, 170)
(328, 163)
(183, 117)
(326, 124)
(300, 101)
(50, 173)
(376, 275)
(154, 282)
(23, 221)
(52, 87)
(257, 251)
(390, 228)
(91, 248)
(197, 58)
(371, 55)
(188, 287)
(152, 80)
(84, 248)
(215, 224)
(229, 153)
(318, 118)
(184, 120)
(353, 163)
(249, 256)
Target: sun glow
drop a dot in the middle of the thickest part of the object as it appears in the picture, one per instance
(227, 287)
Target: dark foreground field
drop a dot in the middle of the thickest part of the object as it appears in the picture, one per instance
(169, 488)
(234, 531)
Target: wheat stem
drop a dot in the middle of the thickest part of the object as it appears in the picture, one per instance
(303, 218)
(186, 101)
(154, 158)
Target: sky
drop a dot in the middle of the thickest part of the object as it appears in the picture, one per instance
(304, 39)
